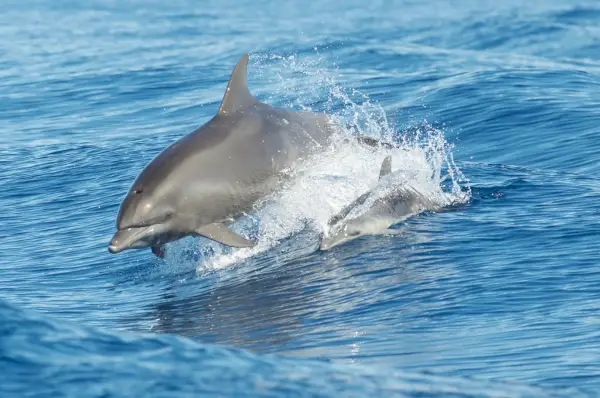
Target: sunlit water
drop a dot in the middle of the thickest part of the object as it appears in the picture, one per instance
(493, 106)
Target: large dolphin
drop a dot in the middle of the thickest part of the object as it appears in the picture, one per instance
(218, 172)
(388, 203)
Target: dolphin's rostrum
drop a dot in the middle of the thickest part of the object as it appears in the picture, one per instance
(218, 172)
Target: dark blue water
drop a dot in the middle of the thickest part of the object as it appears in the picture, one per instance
(497, 295)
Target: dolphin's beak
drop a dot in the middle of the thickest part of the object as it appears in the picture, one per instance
(325, 244)
(328, 243)
(336, 239)
(128, 238)
(114, 249)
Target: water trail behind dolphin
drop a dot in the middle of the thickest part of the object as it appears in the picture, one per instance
(323, 185)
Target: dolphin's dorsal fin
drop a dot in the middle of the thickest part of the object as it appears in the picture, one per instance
(237, 94)
(386, 167)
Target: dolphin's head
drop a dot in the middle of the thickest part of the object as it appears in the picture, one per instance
(143, 220)
(144, 207)
(340, 235)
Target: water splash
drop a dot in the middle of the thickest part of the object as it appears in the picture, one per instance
(323, 185)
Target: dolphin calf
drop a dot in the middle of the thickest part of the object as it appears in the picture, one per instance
(388, 203)
(203, 181)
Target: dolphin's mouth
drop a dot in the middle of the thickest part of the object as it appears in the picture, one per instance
(129, 238)
(324, 248)
(330, 242)
(337, 238)
(325, 244)
(114, 249)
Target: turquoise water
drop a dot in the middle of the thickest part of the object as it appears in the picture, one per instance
(497, 295)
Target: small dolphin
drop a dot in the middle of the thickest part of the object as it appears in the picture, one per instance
(218, 172)
(388, 203)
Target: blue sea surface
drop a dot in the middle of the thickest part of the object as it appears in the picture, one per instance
(498, 295)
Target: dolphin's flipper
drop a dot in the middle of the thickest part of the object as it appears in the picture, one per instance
(158, 251)
(220, 233)
(386, 167)
(237, 94)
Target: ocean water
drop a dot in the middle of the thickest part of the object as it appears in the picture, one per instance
(494, 107)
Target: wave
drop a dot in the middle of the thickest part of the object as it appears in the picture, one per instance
(41, 357)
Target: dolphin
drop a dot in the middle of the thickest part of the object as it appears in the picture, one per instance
(202, 182)
(388, 203)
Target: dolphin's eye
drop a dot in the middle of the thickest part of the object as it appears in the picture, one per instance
(353, 233)
(137, 191)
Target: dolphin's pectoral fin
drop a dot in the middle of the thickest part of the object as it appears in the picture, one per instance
(386, 167)
(158, 251)
(220, 233)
